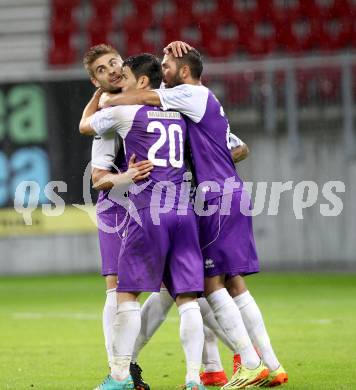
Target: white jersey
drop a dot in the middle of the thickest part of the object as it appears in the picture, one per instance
(104, 150)
(117, 119)
(190, 100)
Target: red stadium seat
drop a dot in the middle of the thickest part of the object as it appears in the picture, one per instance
(184, 10)
(330, 84)
(143, 9)
(98, 31)
(103, 9)
(315, 85)
(248, 10)
(262, 37)
(63, 9)
(62, 28)
(100, 26)
(297, 35)
(137, 37)
(189, 30)
(307, 86)
(61, 50)
(336, 33)
(238, 89)
(220, 38)
(281, 10)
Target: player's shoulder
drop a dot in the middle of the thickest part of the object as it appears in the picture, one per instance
(191, 89)
(125, 111)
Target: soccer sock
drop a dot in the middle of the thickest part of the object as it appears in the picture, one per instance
(211, 356)
(192, 338)
(255, 326)
(154, 311)
(209, 320)
(126, 328)
(230, 320)
(109, 312)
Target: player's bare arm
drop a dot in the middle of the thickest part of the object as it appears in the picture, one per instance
(89, 110)
(143, 97)
(240, 153)
(105, 180)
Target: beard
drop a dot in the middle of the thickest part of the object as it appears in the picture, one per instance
(175, 80)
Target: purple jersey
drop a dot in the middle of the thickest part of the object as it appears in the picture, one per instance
(208, 133)
(155, 135)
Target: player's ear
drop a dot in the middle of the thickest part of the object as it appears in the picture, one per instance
(143, 82)
(95, 82)
(184, 71)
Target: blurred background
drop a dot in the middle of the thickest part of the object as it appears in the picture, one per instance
(284, 70)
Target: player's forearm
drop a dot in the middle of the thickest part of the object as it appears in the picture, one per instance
(103, 180)
(240, 153)
(149, 98)
(89, 110)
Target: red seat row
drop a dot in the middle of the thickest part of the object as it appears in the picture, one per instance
(229, 28)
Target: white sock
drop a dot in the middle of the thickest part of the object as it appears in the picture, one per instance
(255, 326)
(230, 320)
(209, 320)
(109, 313)
(192, 338)
(211, 356)
(154, 311)
(125, 330)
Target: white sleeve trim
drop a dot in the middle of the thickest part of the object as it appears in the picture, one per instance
(235, 141)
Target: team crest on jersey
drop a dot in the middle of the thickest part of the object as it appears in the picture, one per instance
(209, 263)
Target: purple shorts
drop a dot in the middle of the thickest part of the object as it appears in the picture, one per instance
(227, 241)
(168, 253)
(111, 226)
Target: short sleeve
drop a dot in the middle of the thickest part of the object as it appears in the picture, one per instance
(102, 121)
(235, 141)
(190, 100)
(114, 119)
(104, 150)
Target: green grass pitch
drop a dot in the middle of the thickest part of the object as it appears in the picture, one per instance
(51, 338)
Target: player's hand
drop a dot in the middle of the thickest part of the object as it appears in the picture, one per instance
(143, 168)
(177, 48)
(105, 99)
(98, 92)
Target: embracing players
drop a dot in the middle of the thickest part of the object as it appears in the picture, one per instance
(226, 234)
(158, 247)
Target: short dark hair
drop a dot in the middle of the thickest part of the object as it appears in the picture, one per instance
(194, 60)
(145, 65)
(96, 52)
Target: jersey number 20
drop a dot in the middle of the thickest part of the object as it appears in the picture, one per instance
(174, 130)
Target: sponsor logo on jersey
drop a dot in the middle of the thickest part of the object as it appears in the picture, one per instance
(163, 115)
(209, 263)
